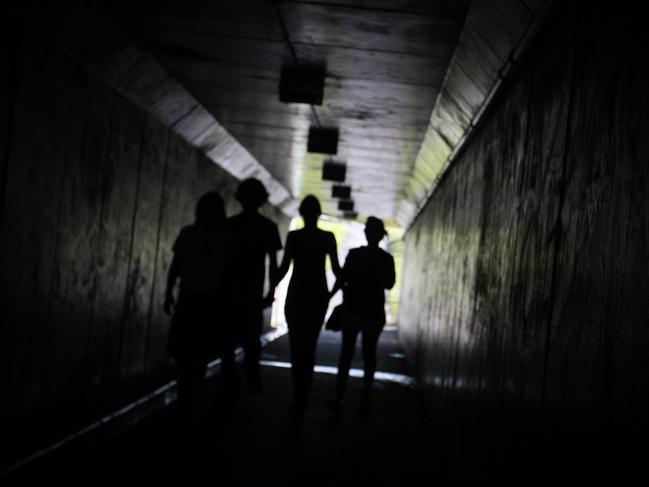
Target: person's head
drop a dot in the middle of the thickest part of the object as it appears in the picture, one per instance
(374, 230)
(210, 209)
(251, 194)
(310, 210)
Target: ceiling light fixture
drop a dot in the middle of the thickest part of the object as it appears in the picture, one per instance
(334, 171)
(346, 205)
(341, 191)
(302, 84)
(323, 140)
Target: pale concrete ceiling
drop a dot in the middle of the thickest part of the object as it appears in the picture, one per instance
(406, 82)
(385, 62)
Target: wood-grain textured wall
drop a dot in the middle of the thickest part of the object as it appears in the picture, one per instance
(94, 193)
(525, 287)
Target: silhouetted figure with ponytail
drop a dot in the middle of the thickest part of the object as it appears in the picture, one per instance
(367, 273)
(308, 295)
(201, 261)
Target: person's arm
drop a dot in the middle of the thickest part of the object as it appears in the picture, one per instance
(272, 278)
(337, 285)
(390, 276)
(274, 244)
(172, 276)
(333, 256)
(272, 265)
(280, 271)
(335, 267)
(286, 260)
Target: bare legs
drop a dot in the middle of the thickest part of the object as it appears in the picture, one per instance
(370, 341)
(303, 341)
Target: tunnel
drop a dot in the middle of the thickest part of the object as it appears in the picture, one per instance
(500, 143)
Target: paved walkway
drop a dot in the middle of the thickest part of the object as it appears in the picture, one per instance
(259, 442)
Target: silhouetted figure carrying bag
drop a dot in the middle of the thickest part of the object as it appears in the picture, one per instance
(367, 273)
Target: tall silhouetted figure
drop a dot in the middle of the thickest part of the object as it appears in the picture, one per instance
(367, 273)
(308, 295)
(256, 238)
(202, 255)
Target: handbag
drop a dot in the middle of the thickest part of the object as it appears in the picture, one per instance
(336, 319)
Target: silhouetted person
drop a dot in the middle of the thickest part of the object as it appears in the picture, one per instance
(202, 253)
(367, 273)
(308, 295)
(256, 238)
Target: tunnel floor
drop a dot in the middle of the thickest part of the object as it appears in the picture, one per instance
(259, 442)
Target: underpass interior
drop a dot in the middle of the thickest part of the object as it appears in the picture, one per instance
(500, 142)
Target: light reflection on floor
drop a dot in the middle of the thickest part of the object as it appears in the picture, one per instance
(404, 380)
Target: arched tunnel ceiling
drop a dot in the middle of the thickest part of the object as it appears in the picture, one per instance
(405, 81)
(385, 62)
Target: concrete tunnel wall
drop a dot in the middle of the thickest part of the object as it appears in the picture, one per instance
(94, 192)
(525, 284)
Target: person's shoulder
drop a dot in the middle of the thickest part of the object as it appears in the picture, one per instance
(234, 220)
(267, 222)
(252, 218)
(381, 253)
(387, 257)
(326, 234)
(264, 218)
(371, 253)
(187, 231)
(355, 254)
(185, 235)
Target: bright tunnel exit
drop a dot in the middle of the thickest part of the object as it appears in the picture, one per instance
(349, 234)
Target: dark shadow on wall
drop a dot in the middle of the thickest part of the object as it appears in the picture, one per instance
(95, 193)
(531, 312)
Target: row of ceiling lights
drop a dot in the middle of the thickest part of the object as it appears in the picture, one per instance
(305, 84)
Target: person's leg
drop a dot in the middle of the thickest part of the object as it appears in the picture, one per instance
(370, 342)
(190, 331)
(311, 344)
(191, 378)
(344, 363)
(296, 343)
(251, 332)
(219, 339)
(229, 370)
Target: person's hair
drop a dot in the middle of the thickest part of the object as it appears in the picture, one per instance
(210, 209)
(251, 193)
(310, 206)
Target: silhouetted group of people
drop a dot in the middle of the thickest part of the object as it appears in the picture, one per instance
(221, 266)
